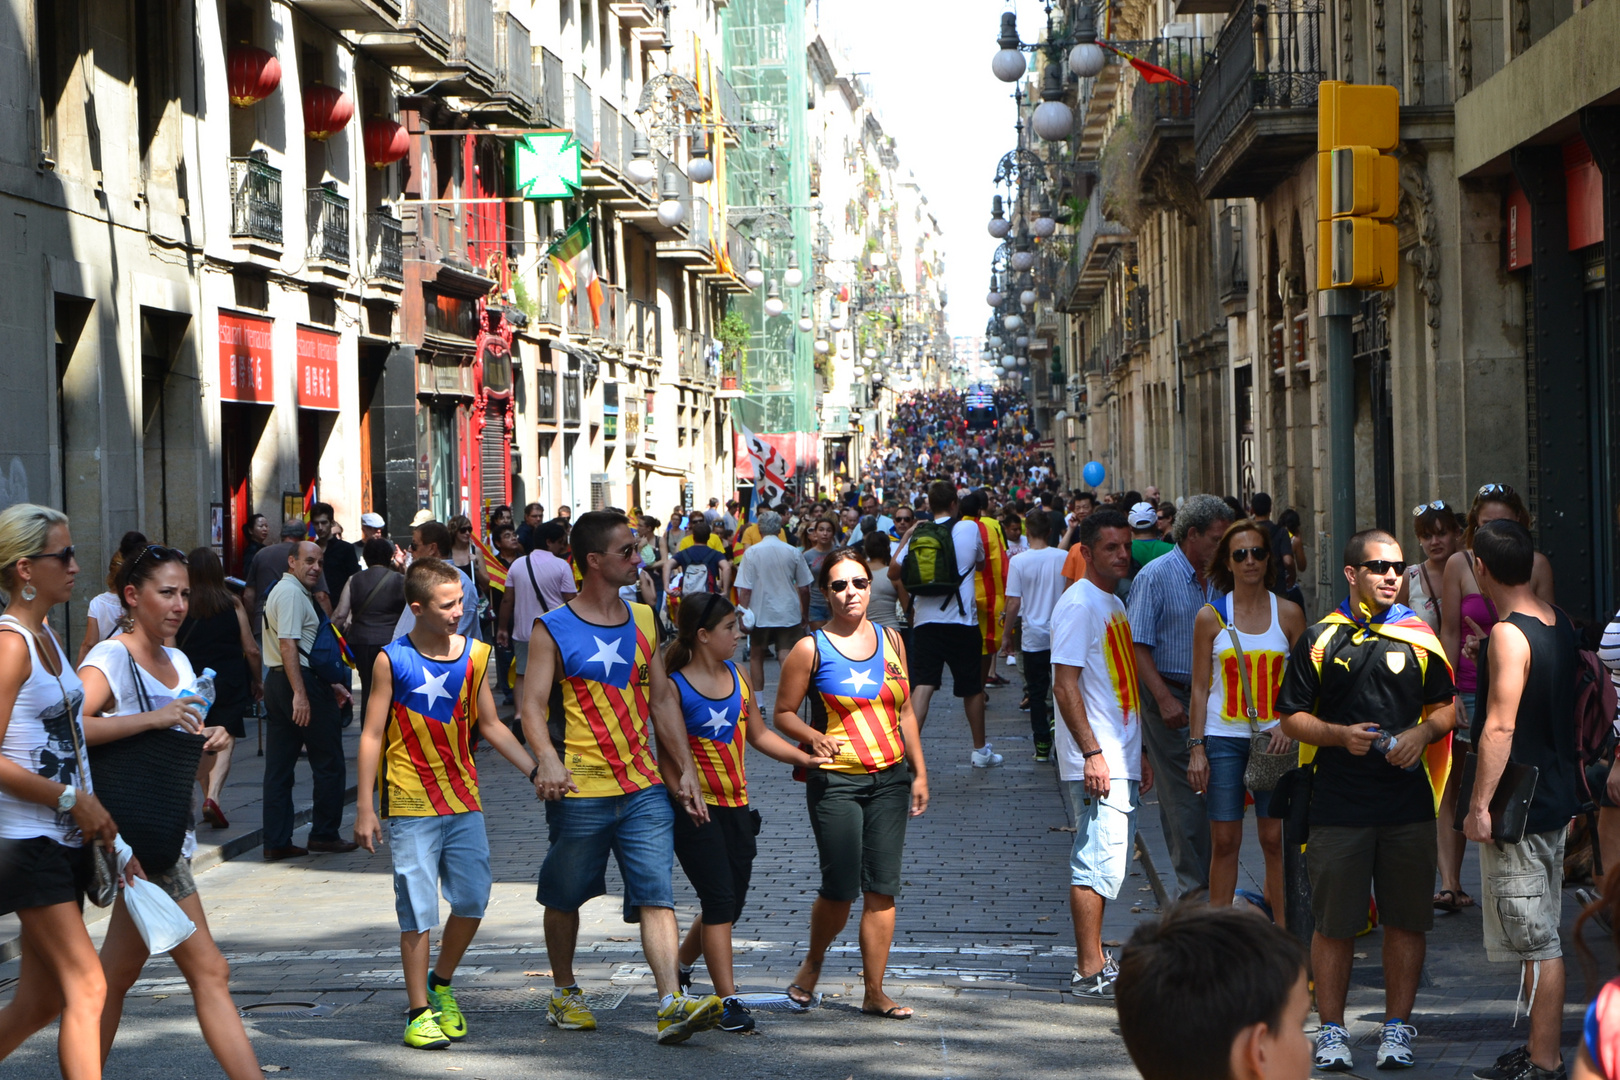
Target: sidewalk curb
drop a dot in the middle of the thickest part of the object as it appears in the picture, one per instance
(233, 848)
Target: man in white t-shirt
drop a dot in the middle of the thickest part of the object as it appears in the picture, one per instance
(539, 582)
(1034, 583)
(1099, 743)
(945, 629)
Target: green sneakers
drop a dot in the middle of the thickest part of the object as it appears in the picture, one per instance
(424, 1033)
(685, 1016)
(451, 1021)
(567, 1010)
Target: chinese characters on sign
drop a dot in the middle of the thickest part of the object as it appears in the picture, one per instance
(317, 369)
(245, 372)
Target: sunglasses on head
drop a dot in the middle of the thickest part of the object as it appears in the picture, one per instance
(1243, 555)
(1382, 567)
(859, 583)
(156, 551)
(1493, 489)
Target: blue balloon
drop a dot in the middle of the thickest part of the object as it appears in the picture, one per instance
(1093, 473)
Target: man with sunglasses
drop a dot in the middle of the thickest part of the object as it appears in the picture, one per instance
(1370, 669)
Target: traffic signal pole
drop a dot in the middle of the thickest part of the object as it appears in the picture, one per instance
(1339, 313)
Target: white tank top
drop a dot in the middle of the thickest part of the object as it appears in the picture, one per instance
(41, 739)
(1419, 599)
(1267, 656)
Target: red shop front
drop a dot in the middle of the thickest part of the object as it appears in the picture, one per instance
(247, 394)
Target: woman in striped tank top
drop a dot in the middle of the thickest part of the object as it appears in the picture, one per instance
(722, 718)
(855, 675)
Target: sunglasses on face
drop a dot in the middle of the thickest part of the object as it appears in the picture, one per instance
(1382, 567)
(465, 532)
(626, 552)
(1243, 555)
(860, 584)
(64, 556)
(1439, 504)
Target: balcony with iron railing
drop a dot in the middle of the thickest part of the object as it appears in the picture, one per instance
(584, 116)
(643, 334)
(417, 36)
(328, 221)
(385, 246)
(360, 15)
(609, 133)
(515, 83)
(472, 42)
(1162, 112)
(255, 200)
(1094, 243)
(1255, 117)
(1138, 317)
(553, 90)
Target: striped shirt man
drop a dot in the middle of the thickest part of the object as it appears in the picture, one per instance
(1165, 601)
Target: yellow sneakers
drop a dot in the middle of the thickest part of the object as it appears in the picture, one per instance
(568, 1011)
(424, 1033)
(685, 1016)
(451, 1021)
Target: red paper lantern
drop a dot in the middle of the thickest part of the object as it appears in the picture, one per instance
(327, 111)
(253, 75)
(386, 142)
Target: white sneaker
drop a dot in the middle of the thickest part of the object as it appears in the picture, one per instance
(1332, 1049)
(986, 758)
(1395, 1045)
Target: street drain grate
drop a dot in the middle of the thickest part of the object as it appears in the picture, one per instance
(532, 1000)
(289, 1010)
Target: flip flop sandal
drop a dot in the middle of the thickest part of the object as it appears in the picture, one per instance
(811, 998)
(893, 1012)
(1451, 901)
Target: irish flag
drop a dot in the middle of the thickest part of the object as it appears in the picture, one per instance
(571, 256)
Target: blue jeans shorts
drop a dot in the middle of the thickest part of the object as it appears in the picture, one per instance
(638, 829)
(1104, 835)
(1228, 757)
(449, 851)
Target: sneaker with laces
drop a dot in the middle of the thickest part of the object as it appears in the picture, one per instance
(683, 977)
(1505, 1066)
(686, 1015)
(1098, 987)
(735, 1017)
(567, 1010)
(1395, 1045)
(1043, 751)
(451, 1021)
(985, 757)
(1332, 1049)
(424, 1033)
(1520, 1067)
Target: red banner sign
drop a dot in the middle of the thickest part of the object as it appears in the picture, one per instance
(317, 369)
(245, 372)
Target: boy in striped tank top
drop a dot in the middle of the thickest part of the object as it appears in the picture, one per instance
(722, 719)
(430, 688)
(593, 675)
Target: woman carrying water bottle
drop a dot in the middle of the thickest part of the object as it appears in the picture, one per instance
(134, 684)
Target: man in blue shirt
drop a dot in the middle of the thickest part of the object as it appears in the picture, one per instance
(1165, 600)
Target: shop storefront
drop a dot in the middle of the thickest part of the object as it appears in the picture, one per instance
(247, 397)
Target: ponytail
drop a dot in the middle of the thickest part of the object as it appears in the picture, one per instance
(697, 613)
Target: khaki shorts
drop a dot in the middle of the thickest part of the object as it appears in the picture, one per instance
(1523, 897)
(1395, 863)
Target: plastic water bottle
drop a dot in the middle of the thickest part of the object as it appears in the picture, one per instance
(1385, 741)
(202, 687)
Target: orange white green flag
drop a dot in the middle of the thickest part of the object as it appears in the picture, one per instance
(576, 270)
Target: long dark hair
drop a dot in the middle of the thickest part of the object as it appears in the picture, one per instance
(139, 568)
(1220, 573)
(130, 546)
(698, 612)
(209, 596)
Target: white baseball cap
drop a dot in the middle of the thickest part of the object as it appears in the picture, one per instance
(1144, 515)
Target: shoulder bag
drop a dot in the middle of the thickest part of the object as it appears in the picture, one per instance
(145, 782)
(528, 563)
(1510, 802)
(1264, 768)
(103, 887)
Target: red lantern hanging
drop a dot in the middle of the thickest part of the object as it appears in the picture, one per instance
(327, 111)
(386, 142)
(253, 75)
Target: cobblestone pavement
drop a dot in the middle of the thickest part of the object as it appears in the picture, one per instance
(983, 948)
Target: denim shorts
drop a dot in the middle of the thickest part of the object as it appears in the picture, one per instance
(1463, 732)
(449, 851)
(1228, 757)
(1104, 832)
(638, 829)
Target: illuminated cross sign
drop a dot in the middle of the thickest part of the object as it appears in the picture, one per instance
(548, 165)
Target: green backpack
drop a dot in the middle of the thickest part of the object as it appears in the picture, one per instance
(929, 568)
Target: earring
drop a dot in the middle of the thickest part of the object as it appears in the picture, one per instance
(28, 594)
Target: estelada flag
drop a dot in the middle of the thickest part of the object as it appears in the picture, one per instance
(571, 256)
(495, 568)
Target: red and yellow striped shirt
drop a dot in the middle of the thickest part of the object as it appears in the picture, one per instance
(859, 702)
(599, 703)
(990, 583)
(426, 768)
(717, 729)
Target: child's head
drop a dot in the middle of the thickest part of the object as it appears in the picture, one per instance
(1214, 994)
(433, 590)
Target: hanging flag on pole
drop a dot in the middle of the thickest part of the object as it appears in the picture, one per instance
(571, 256)
(1151, 72)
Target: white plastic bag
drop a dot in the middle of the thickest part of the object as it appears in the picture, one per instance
(745, 620)
(161, 922)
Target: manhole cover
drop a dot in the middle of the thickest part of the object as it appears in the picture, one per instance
(290, 1010)
(533, 1000)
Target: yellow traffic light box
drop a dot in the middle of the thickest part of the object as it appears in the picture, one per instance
(1358, 186)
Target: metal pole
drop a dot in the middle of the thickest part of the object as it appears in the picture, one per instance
(1341, 305)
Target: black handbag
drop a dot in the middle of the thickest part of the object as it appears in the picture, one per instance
(1510, 802)
(145, 783)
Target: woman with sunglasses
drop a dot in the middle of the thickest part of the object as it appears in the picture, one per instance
(1466, 617)
(1221, 725)
(133, 684)
(1439, 532)
(49, 819)
(856, 678)
(465, 555)
(722, 717)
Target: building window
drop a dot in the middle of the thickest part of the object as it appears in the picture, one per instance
(56, 39)
(453, 315)
(571, 399)
(547, 385)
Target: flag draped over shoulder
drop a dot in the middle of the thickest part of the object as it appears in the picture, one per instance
(576, 270)
(493, 565)
(1397, 623)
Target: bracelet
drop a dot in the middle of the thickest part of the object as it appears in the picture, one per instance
(1091, 753)
(534, 774)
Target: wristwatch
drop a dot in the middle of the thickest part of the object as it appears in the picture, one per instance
(1195, 742)
(65, 801)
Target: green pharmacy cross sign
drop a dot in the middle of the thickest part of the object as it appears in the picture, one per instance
(548, 165)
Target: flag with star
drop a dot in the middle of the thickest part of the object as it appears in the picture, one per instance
(599, 713)
(717, 730)
(858, 702)
(426, 768)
